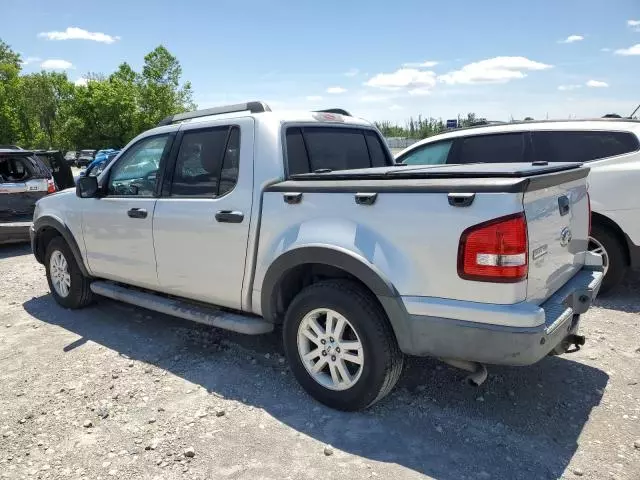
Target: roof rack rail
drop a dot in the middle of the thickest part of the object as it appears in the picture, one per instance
(252, 107)
(337, 111)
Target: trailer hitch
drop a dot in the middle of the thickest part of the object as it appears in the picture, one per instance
(570, 344)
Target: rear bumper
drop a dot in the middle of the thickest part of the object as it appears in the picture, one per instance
(502, 344)
(14, 232)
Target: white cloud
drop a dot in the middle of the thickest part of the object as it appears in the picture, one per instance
(572, 39)
(427, 64)
(81, 82)
(493, 70)
(605, 49)
(74, 33)
(56, 64)
(634, 50)
(569, 87)
(395, 107)
(374, 98)
(596, 84)
(352, 72)
(29, 60)
(635, 24)
(420, 91)
(335, 90)
(314, 98)
(409, 78)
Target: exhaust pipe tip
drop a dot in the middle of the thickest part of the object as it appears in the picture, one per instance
(478, 372)
(478, 377)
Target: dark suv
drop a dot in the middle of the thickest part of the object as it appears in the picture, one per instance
(25, 177)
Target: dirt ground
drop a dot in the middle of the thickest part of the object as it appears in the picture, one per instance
(114, 391)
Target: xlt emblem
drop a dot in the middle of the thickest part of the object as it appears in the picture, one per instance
(565, 236)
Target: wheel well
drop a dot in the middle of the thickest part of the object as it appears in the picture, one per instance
(301, 276)
(613, 227)
(44, 236)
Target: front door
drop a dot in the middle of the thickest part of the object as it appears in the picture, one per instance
(117, 227)
(201, 223)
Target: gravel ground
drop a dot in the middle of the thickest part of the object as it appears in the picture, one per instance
(118, 392)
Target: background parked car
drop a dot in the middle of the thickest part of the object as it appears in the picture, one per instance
(85, 158)
(101, 161)
(70, 157)
(610, 147)
(25, 177)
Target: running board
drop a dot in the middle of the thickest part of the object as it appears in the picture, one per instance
(207, 315)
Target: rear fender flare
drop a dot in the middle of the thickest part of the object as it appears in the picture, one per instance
(347, 261)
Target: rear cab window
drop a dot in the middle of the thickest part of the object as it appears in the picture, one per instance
(582, 146)
(309, 149)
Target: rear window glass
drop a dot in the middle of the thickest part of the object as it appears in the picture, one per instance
(503, 148)
(579, 146)
(14, 169)
(314, 148)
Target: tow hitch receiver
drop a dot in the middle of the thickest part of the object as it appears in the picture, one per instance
(570, 344)
(576, 340)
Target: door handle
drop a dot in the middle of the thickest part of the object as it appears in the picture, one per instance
(564, 205)
(229, 216)
(292, 198)
(137, 213)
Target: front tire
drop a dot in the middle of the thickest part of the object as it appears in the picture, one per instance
(604, 242)
(69, 287)
(340, 345)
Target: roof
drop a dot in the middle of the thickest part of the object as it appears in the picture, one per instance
(15, 152)
(615, 124)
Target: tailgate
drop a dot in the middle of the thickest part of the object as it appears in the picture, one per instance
(557, 211)
(19, 198)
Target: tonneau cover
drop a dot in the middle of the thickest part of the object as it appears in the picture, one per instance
(476, 170)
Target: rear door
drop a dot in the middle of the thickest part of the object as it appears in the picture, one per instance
(60, 169)
(201, 223)
(512, 147)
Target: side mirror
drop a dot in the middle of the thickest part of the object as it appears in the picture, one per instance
(87, 187)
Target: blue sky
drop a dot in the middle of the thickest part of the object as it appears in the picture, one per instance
(381, 60)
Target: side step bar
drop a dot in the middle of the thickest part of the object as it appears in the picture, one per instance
(209, 316)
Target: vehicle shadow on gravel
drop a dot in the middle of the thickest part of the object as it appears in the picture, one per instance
(523, 423)
(14, 250)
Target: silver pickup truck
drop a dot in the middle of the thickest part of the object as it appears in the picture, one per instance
(249, 220)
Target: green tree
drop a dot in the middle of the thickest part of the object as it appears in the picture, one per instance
(44, 98)
(160, 91)
(9, 93)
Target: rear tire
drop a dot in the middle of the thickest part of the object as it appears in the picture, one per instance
(359, 362)
(69, 287)
(606, 242)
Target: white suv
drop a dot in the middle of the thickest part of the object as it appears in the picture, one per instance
(609, 146)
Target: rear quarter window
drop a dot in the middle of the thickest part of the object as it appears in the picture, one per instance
(582, 146)
(314, 148)
(496, 148)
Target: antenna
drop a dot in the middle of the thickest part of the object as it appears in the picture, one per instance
(634, 112)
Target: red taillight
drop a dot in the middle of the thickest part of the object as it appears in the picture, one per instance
(51, 186)
(589, 203)
(495, 251)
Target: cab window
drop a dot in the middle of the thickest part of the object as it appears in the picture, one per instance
(429, 154)
(136, 172)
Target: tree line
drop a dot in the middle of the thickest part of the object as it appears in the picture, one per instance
(47, 110)
(425, 127)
